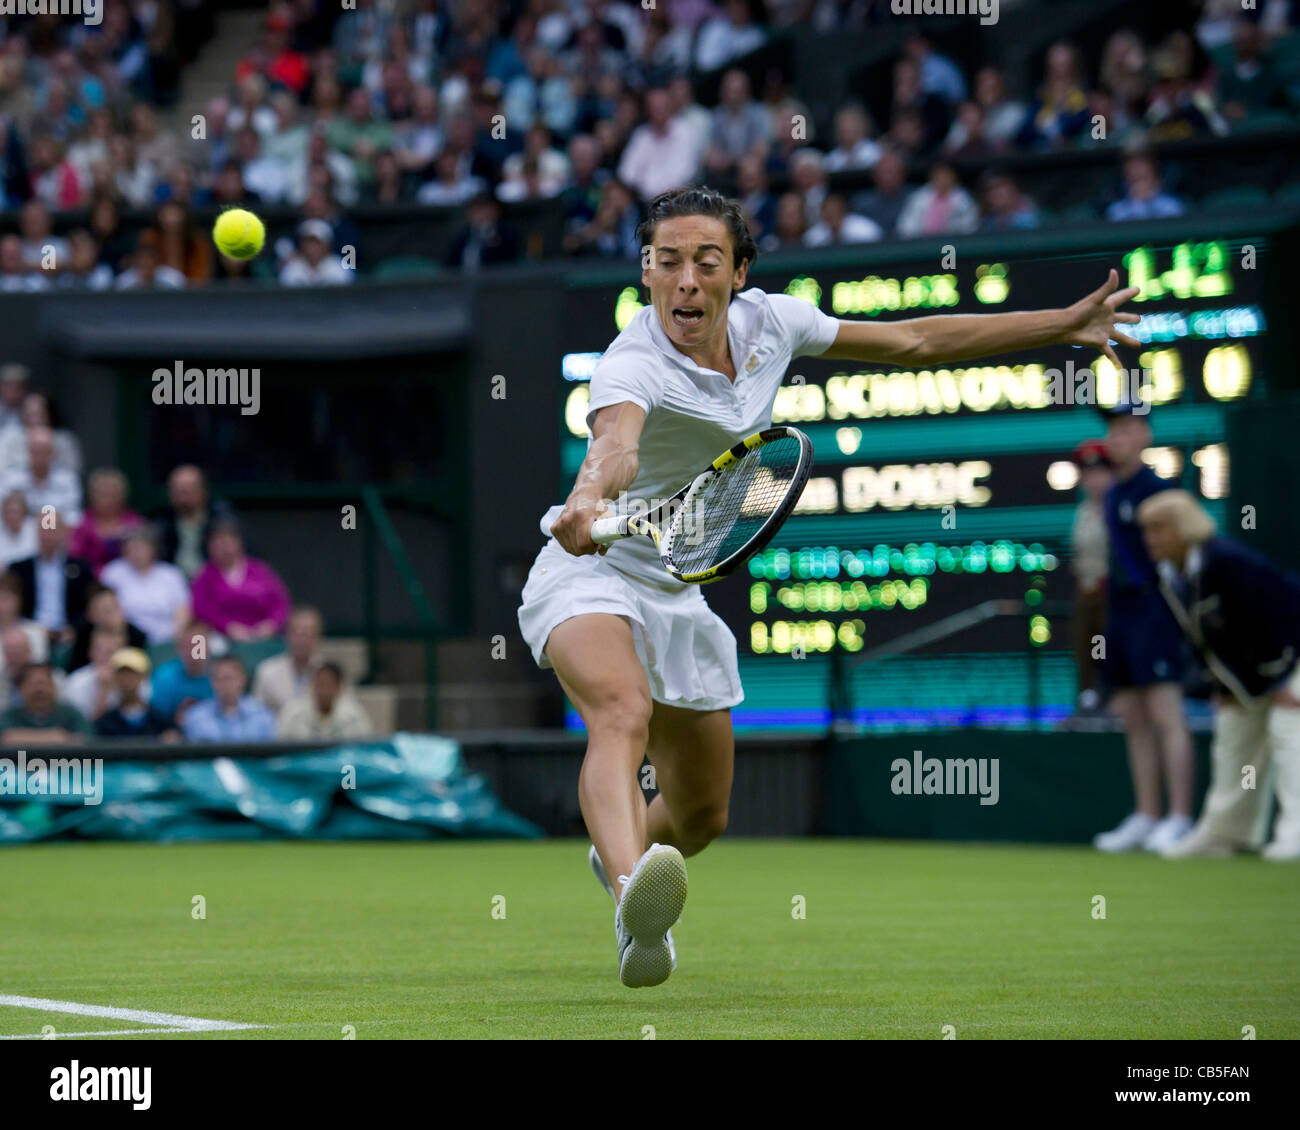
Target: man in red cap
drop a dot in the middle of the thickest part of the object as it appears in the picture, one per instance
(1089, 562)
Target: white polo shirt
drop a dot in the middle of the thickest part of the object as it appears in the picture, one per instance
(693, 414)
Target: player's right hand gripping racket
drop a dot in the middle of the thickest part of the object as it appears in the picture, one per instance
(727, 513)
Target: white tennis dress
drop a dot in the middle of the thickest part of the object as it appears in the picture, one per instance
(693, 414)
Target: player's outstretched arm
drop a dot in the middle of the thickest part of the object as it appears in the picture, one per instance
(943, 338)
(610, 467)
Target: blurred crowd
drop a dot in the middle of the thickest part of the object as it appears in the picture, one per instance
(589, 103)
(121, 625)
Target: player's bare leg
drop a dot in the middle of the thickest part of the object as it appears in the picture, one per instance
(693, 753)
(1143, 753)
(597, 665)
(1164, 703)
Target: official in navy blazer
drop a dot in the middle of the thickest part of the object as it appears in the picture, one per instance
(1241, 613)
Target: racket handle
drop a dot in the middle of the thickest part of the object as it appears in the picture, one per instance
(603, 530)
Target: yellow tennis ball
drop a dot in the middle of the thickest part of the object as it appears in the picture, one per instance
(238, 234)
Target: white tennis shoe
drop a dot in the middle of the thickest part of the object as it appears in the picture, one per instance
(653, 898)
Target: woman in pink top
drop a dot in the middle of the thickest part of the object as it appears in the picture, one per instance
(238, 595)
(99, 537)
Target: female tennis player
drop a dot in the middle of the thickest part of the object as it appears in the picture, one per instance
(651, 670)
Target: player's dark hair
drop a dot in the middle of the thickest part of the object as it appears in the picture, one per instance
(697, 200)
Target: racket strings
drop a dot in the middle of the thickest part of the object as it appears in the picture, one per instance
(734, 505)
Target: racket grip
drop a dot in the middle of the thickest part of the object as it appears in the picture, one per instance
(604, 531)
(607, 530)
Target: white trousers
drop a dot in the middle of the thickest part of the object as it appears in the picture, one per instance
(1265, 736)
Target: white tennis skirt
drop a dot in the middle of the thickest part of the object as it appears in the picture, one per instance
(688, 653)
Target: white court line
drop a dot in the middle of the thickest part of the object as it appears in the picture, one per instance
(171, 1020)
(74, 1035)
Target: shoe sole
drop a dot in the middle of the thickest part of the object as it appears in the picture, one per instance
(650, 906)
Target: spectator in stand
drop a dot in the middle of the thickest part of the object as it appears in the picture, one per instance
(15, 654)
(155, 146)
(17, 529)
(420, 139)
(188, 520)
(43, 483)
(1180, 107)
(1060, 112)
(133, 717)
(1144, 198)
(552, 165)
(661, 154)
(839, 226)
(181, 246)
(328, 713)
(56, 587)
(288, 675)
(1089, 562)
(106, 226)
(230, 715)
(185, 679)
(486, 240)
(581, 198)
(790, 225)
(388, 186)
(1006, 208)
(251, 108)
(739, 126)
(41, 247)
(228, 189)
(360, 135)
(940, 207)
(83, 269)
(317, 155)
(56, 181)
(15, 275)
(13, 388)
(11, 616)
(36, 413)
(98, 539)
(451, 184)
(854, 148)
(681, 97)
(1123, 75)
(274, 58)
(1003, 117)
(91, 148)
(262, 175)
(133, 178)
(910, 96)
(102, 610)
(314, 263)
(752, 191)
(612, 231)
(40, 718)
(734, 33)
(241, 596)
(154, 594)
(966, 141)
(939, 74)
(90, 688)
(320, 206)
(808, 179)
(145, 269)
(1251, 83)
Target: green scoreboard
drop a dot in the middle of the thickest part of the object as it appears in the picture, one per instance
(937, 491)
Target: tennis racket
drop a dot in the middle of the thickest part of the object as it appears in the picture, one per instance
(724, 515)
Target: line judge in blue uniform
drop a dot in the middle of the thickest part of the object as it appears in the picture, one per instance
(1143, 660)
